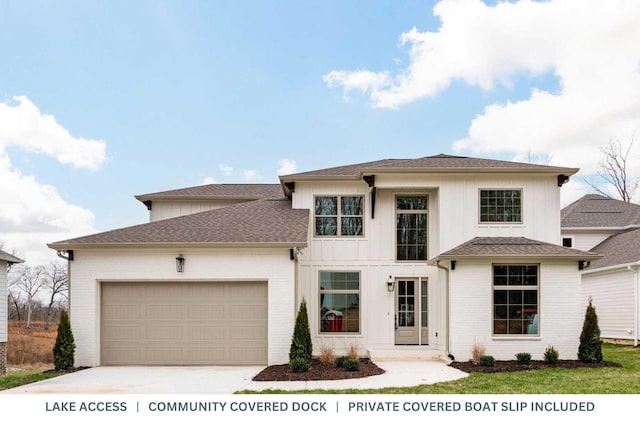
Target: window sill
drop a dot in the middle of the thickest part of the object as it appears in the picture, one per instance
(516, 338)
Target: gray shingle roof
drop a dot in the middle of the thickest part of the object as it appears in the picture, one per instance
(437, 163)
(266, 221)
(623, 248)
(241, 191)
(514, 247)
(4, 256)
(594, 210)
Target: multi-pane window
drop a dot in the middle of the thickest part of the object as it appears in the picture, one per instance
(500, 205)
(339, 215)
(339, 301)
(411, 228)
(515, 299)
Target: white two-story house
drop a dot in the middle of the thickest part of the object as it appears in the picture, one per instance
(403, 258)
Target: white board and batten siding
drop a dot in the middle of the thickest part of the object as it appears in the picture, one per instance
(207, 272)
(613, 296)
(171, 209)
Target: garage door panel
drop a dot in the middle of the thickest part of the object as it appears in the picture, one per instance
(184, 323)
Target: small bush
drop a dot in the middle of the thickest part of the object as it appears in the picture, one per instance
(327, 356)
(301, 346)
(487, 361)
(477, 352)
(590, 349)
(299, 364)
(65, 347)
(353, 352)
(340, 361)
(551, 355)
(350, 364)
(523, 358)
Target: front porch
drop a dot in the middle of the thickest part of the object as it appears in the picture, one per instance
(381, 353)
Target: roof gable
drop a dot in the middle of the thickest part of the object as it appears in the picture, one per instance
(437, 163)
(514, 247)
(219, 191)
(263, 222)
(597, 211)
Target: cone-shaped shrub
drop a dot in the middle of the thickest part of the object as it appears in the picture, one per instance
(301, 347)
(65, 347)
(590, 349)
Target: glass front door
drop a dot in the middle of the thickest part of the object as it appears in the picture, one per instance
(412, 320)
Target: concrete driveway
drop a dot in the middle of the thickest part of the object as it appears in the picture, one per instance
(226, 380)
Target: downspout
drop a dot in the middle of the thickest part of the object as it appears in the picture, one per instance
(68, 258)
(636, 305)
(446, 298)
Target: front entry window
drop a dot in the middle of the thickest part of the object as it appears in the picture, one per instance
(339, 301)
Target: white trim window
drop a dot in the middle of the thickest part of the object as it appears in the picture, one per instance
(501, 206)
(339, 216)
(515, 299)
(339, 301)
(411, 228)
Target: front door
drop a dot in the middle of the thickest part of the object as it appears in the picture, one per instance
(412, 320)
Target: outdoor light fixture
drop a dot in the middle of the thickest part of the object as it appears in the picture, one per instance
(391, 284)
(180, 263)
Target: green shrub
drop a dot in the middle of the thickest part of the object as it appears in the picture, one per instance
(487, 361)
(551, 355)
(340, 361)
(523, 358)
(590, 349)
(301, 346)
(299, 364)
(350, 364)
(65, 347)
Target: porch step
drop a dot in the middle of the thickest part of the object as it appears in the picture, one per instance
(405, 353)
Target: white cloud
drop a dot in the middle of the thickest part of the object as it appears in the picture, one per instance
(209, 180)
(286, 167)
(33, 213)
(251, 175)
(24, 126)
(591, 46)
(226, 170)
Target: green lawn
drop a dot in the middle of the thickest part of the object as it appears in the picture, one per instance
(625, 380)
(18, 378)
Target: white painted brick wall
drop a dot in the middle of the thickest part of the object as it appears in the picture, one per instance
(559, 306)
(91, 267)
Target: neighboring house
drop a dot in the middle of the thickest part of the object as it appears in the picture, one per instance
(611, 228)
(403, 258)
(6, 260)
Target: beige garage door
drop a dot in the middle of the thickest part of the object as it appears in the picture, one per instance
(184, 323)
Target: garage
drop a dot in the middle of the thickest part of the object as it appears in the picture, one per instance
(184, 323)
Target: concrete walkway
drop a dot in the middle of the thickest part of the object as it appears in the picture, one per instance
(227, 380)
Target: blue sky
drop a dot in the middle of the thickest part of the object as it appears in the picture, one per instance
(103, 100)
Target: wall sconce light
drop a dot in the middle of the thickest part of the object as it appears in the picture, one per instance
(180, 263)
(391, 284)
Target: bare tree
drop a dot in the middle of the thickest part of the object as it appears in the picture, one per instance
(27, 281)
(614, 171)
(57, 283)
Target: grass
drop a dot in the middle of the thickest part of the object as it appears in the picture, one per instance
(30, 348)
(18, 378)
(625, 380)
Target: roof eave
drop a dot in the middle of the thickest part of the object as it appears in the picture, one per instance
(62, 246)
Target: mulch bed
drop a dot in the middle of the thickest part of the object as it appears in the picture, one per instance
(514, 366)
(318, 372)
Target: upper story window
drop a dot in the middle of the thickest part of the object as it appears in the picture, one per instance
(339, 215)
(411, 228)
(501, 206)
(567, 242)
